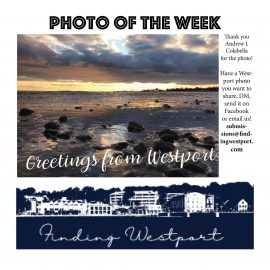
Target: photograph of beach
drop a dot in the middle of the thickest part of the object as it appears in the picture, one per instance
(117, 106)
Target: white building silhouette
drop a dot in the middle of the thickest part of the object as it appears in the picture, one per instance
(171, 195)
(145, 202)
(116, 198)
(69, 207)
(242, 206)
(209, 203)
(144, 197)
(195, 202)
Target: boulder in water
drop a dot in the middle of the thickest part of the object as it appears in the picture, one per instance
(209, 140)
(162, 146)
(209, 111)
(196, 167)
(25, 112)
(166, 106)
(52, 125)
(120, 146)
(63, 119)
(140, 148)
(84, 138)
(133, 126)
(167, 131)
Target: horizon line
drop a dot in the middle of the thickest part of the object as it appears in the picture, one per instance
(133, 90)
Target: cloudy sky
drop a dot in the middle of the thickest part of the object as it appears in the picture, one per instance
(109, 63)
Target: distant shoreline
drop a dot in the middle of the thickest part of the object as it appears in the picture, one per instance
(196, 89)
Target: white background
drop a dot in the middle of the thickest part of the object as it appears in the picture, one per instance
(28, 17)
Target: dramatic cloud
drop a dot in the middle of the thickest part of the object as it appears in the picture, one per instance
(182, 60)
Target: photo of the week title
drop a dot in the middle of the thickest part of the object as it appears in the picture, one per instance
(122, 22)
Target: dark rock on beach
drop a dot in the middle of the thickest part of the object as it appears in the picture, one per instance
(209, 112)
(78, 107)
(51, 133)
(104, 126)
(134, 127)
(25, 112)
(197, 102)
(140, 148)
(84, 138)
(167, 138)
(169, 132)
(192, 138)
(63, 119)
(187, 134)
(162, 146)
(166, 106)
(52, 125)
(197, 167)
(64, 135)
(209, 140)
(120, 146)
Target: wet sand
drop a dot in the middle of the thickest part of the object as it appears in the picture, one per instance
(105, 117)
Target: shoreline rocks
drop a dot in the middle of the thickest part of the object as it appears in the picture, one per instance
(209, 111)
(209, 140)
(51, 134)
(52, 125)
(196, 167)
(84, 138)
(26, 112)
(120, 146)
(169, 133)
(140, 148)
(133, 126)
(64, 135)
(166, 106)
(63, 119)
(192, 138)
(164, 147)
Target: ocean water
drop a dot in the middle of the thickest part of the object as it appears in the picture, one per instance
(114, 110)
(58, 101)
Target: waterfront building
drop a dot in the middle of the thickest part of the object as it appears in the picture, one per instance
(242, 206)
(195, 202)
(116, 198)
(144, 197)
(210, 203)
(171, 195)
(69, 207)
